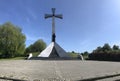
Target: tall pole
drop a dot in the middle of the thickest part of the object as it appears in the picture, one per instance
(53, 29)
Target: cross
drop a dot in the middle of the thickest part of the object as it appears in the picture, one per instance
(53, 16)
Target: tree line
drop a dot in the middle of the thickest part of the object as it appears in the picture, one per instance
(12, 42)
(106, 53)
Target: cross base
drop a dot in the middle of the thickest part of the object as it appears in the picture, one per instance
(53, 37)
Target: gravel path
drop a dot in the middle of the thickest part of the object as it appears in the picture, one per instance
(68, 70)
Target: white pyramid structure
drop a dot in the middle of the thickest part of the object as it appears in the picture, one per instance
(53, 50)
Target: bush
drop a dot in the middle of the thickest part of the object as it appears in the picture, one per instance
(105, 56)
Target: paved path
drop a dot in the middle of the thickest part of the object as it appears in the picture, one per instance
(37, 70)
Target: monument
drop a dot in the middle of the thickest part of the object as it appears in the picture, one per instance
(53, 50)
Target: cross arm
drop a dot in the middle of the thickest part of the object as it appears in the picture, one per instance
(59, 16)
(48, 16)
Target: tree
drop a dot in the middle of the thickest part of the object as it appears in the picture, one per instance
(86, 53)
(73, 54)
(106, 53)
(115, 47)
(106, 48)
(29, 49)
(38, 46)
(12, 40)
(98, 50)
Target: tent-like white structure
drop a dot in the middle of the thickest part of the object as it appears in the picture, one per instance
(53, 50)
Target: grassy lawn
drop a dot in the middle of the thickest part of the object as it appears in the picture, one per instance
(15, 58)
(35, 54)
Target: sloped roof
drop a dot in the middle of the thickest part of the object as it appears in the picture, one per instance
(53, 50)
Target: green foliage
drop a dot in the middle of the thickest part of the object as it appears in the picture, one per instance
(85, 55)
(35, 54)
(106, 53)
(12, 40)
(73, 54)
(14, 58)
(115, 47)
(105, 49)
(38, 46)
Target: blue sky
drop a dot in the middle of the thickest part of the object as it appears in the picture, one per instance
(86, 24)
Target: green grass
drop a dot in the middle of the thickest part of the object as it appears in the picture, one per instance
(15, 58)
(85, 57)
(35, 54)
(73, 55)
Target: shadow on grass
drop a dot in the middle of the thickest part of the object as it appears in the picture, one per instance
(100, 78)
(6, 78)
(54, 59)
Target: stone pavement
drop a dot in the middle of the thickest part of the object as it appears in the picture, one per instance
(66, 70)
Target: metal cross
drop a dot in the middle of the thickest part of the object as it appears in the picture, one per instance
(53, 15)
